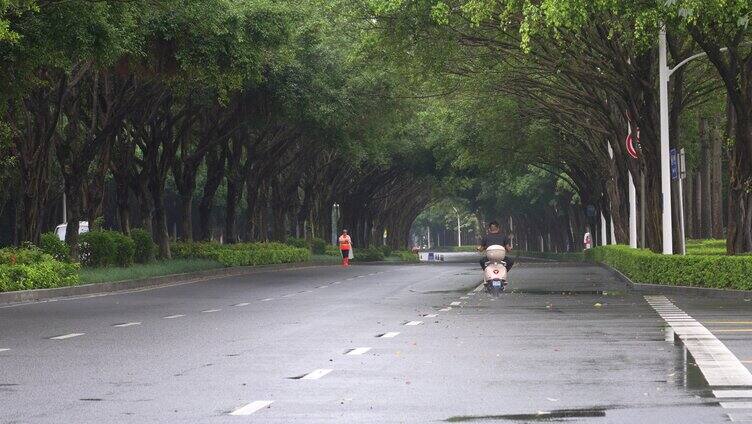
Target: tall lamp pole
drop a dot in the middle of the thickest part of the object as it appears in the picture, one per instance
(335, 219)
(459, 231)
(665, 74)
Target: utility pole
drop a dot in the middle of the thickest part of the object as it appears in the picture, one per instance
(459, 231)
(335, 220)
(632, 213)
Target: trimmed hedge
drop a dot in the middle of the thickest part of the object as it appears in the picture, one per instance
(242, 254)
(369, 254)
(406, 256)
(52, 245)
(31, 268)
(105, 247)
(332, 250)
(644, 266)
(562, 256)
(145, 248)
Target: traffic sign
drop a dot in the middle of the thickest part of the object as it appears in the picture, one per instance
(674, 161)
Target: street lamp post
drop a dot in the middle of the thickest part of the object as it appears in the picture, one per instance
(665, 74)
(335, 219)
(459, 231)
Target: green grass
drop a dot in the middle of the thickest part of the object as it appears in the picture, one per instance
(138, 271)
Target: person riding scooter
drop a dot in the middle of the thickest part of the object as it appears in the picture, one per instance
(495, 237)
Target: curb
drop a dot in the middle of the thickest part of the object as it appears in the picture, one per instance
(26, 296)
(683, 290)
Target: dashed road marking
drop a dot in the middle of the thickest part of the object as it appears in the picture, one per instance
(267, 299)
(732, 393)
(241, 304)
(252, 407)
(414, 323)
(448, 308)
(358, 351)
(66, 336)
(337, 282)
(173, 316)
(127, 324)
(455, 303)
(432, 315)
(464, 297)
(290, 294)
(389, 335)
(4, 350)
(716, 362)
(316, 374)
(322, 287)
(736, 405)
(208, 311)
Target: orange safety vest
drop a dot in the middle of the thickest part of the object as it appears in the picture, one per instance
(344, 242)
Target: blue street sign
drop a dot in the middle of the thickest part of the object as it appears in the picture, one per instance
(674, 165)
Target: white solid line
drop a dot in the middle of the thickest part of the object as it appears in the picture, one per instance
(252, 407)
(316, 374)
(67, 336)
(736, 405)
(448, 308)
(358, 351)
(455, 303)
(414, 323)
(432, 315)
(173, 316)
(732, 393)
(242, 304)
(208, 311)
(127, 324)
(389, 335)
(4, 350)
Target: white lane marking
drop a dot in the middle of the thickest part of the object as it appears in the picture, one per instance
(66, 336)
(372, 273)
(316, 374)
(241, 304)
(267, 299)
(432, 315)
(361, 276)
(173, 316)
(736, 405)
(127, 324)
(389, 335)
(252, 407)
(448, 308)
(358, 351)
(716, 362)
(471, 294)
(337, 282)
(290, 295)
(414, 323)
(732, 393)
(455, 303)
(322, 287)
(4, 350)
(208, 311)
(464, 297)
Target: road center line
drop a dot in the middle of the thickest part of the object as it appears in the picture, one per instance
(252, 407)
(414, 323)
(455, 303)
(267, 299)
(431, 315)
(716, 362)
(358, 351)
(173, 316)
(389, 335)
(208, 311)
(67, 336)
(448, 308)
(127, 324)
(242, 304)
(316, 374)
(4, 350)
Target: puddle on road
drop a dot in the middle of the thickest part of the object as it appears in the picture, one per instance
(538, 416)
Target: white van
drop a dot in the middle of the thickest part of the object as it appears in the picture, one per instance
(83, 227)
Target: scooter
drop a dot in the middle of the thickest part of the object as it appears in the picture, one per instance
(495, 275)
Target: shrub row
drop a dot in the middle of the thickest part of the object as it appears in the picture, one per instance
(406, 256)
(103, 248)
(316, 245)
(31, 268)
(242, 254)
(369, 254)
(644, 266)
(561, 256)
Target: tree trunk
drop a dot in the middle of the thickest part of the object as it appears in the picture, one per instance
(707, 205)
(161, 234)
(716, 185)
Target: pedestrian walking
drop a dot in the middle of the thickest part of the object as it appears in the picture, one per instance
(587, 240)
(345, 246)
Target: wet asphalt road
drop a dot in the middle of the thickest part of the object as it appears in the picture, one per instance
(569, 344)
